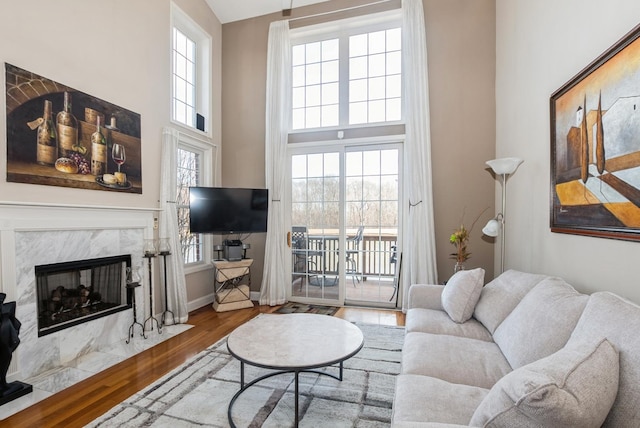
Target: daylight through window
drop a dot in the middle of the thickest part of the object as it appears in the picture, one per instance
(347, 77)
(188, 175)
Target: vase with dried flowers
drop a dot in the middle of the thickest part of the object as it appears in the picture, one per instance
(460, 239)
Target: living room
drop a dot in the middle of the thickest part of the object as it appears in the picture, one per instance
(492, 67)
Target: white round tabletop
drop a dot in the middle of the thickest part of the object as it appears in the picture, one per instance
(295, 341)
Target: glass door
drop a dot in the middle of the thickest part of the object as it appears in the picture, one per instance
(315, 227)
(371, 226)
(344, 225)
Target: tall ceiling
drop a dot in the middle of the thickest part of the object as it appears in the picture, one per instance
(236, 10)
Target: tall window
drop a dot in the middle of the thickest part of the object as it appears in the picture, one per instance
(347, 74)
(195, 163)
(189, 164)
(191, 72)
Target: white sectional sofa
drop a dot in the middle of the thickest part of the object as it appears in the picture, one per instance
(525, 350)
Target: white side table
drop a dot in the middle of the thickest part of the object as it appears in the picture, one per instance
(230, 293)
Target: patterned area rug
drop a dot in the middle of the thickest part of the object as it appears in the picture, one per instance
(198, 392)
(301, 308)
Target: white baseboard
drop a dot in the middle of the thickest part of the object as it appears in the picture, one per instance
(209, 298)
(200, 302)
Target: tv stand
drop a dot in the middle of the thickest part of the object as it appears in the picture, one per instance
(230, 293)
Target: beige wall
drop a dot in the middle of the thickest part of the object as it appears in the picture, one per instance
(118, 51)
(540, 46)
(461, 44)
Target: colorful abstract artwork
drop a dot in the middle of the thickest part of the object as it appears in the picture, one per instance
(595, 146)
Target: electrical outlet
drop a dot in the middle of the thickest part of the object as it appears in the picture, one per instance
(155, 224)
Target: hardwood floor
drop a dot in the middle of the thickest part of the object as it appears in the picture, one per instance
(80, 404)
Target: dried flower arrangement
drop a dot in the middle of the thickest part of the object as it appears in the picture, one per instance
(460, 238)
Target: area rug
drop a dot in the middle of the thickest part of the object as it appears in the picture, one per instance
(301, 308)
(198, 392)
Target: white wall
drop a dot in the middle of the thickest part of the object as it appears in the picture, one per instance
(116, 50)
(540, 45)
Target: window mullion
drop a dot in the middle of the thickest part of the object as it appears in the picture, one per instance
(344, 80)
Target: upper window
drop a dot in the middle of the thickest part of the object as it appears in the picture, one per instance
(348, 74)
(191, 72)
(184, 79)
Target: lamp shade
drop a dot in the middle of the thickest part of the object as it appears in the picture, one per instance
(492, 228)
(504, 165)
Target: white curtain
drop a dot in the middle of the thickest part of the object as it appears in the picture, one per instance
(276, 275)
(418, 248)
(168, 228)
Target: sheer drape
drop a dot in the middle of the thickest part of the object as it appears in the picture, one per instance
(276, 275)
(168, 227)
(419, 255)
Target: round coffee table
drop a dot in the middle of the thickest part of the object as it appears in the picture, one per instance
(292, 343)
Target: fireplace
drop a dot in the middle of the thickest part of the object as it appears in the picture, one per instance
(71, 293)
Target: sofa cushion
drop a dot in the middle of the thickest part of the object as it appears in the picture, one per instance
(461, 293)
(438, 322)
(423, 399)
(500, 296)
(617, 319)
(541, 324)
(453, 359)
(575, 387)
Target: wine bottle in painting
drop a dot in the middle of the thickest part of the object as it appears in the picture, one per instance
(67, 127)
(98, 150)
(47, 151)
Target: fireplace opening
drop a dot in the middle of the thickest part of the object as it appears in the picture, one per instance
(71, 293)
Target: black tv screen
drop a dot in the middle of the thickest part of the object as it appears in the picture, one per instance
(226, 210)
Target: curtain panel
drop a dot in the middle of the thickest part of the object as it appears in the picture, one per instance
(418, 248)
(168, 226)
(277, 269)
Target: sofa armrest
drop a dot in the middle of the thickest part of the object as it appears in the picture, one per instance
(426, 296)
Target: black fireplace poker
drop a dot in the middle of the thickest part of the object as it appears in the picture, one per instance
(164, 255)
(151, 319)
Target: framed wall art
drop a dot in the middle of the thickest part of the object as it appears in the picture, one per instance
(595, 146)
(59, 136)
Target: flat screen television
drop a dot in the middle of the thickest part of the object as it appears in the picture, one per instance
(227, 210)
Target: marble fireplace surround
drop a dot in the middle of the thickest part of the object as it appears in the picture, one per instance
(33, 235)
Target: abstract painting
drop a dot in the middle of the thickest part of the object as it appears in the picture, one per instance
(595, 146)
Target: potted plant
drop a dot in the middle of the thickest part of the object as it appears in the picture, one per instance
(460, 239)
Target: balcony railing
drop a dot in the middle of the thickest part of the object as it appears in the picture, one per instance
(374, 256)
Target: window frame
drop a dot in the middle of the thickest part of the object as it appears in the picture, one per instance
(343, 29)
(203, 83)
(207, 152)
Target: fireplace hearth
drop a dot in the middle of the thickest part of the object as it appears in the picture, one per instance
(72, 293)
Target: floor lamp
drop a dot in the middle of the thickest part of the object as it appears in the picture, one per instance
(503, 167)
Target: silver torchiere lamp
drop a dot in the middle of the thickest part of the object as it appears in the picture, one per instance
(503, 167)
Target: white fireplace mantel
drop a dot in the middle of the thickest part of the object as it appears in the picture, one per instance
(33, 234)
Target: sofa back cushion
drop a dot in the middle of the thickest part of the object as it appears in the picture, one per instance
(541, 324)
(502, 295)
(617, 319)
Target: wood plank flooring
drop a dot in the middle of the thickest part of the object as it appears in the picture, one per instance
(80, 404)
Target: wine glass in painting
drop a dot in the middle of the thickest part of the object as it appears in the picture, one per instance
(118, 155)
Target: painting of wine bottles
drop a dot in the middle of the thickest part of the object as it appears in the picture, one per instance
(59, 136)
(595, 146)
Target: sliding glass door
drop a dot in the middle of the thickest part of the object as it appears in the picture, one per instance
(344, 225)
